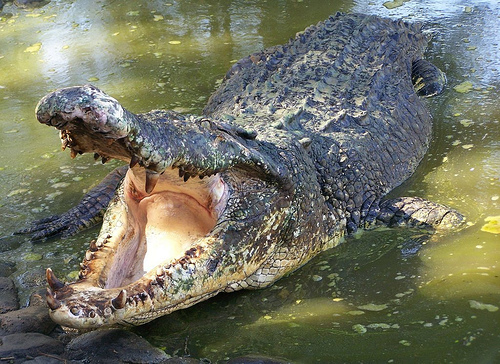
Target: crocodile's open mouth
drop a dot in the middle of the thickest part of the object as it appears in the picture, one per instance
(174, 234)
(160, 226)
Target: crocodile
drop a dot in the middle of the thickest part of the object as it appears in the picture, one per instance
(297, 148)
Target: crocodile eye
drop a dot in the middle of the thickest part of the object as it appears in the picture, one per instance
(75, 311)
(92, 314)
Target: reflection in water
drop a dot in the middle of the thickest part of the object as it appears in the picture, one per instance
(378, 298)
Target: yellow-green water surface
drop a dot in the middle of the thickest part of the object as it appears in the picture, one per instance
(382, 297)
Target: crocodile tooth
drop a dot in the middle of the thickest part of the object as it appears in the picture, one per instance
(186, 176)
(181, 172)
(88, 255)
(96, 156)
(152, 178)
(73, 153)
(52, 302)
(133, 161)
(104, 160)
(159, 271)
(93, 246)
(120, 300)
(52, 280)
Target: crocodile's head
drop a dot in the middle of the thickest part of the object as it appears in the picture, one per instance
(200, 211)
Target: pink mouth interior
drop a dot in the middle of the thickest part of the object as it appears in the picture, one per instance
(161, 226)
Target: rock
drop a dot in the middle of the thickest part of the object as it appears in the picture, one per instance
(7, 268)
(19, 347)
(30, 319)
(255, 359)
(185, 360)
(44, 360)
(8, 295)
(120, 347)
(30, 4)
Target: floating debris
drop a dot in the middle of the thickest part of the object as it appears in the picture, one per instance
(317, 278)
(93, 79)
(360, 329)
(60, 185)
(482, 306)
(463, 87)
(33, 48)
(157, 17)
(492, 223)
(466, 122)
(174, 42)
(356, 313)
(17, 192)
(373, 307)
(394, 4)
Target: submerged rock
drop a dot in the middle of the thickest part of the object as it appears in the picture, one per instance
(16, 348)
(8, 295)
(121, 347)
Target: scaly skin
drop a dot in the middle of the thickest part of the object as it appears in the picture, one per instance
(298, 147)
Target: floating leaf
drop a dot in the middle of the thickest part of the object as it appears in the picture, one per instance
(360, 329)
(158, 17)
(92, 79)
(482, 306)
(33, 48)
(17, 192)
(464, 87)
(492, 225)
(174, 42)
(373, 307)
(394, 4)
(467, 146)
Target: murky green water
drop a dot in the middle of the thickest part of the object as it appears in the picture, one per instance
(376, 299)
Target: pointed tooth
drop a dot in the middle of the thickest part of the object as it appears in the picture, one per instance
(159, 271)
(104, 160)
(96, 156)
(52, 302)
(181, 172)
(152, 178)
(186, 176)
(52, 280)
(93, 246)
(120, 300)
(64, 144)
(133, 161)
(73, 153)
(88, 255)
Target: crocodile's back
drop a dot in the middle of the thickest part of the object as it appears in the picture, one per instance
(345, 85)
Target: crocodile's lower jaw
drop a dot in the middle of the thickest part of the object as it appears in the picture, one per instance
(143, 236)
(161, 226)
